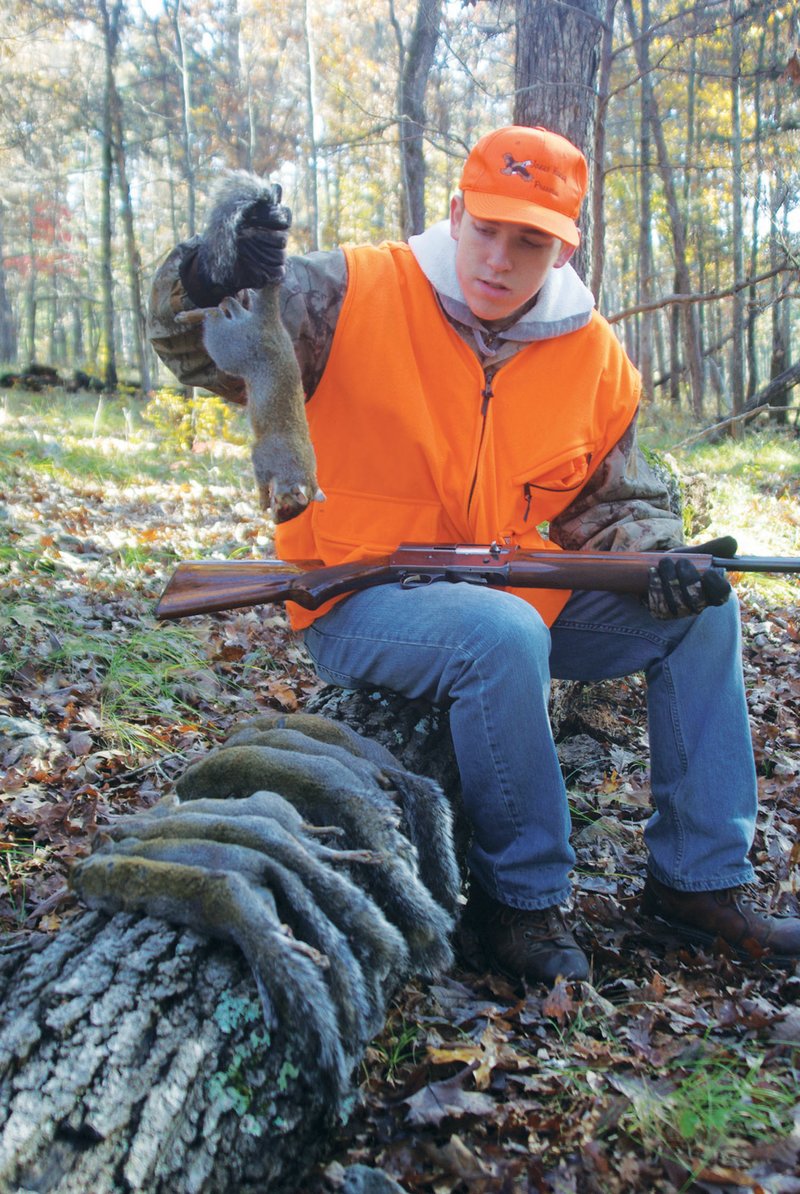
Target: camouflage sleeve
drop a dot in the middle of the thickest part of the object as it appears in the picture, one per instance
(624, 507)
(311, 300)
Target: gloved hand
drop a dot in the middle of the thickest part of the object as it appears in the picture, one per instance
(676, 589)
(244, 246)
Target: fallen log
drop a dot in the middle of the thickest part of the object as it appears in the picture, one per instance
(139, 1055)
(133, 1057)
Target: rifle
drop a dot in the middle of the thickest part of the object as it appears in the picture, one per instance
(206, 586)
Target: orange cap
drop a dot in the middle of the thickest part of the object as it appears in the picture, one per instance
(527, 176)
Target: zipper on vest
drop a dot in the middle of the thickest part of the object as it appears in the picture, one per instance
(487, 393)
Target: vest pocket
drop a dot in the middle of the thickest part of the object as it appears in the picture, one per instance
(545, 485)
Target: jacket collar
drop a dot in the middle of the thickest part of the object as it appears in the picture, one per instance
(563, 304)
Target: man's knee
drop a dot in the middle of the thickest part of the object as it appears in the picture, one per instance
(508, 625)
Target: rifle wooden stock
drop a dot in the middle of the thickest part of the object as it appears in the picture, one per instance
(206, 586)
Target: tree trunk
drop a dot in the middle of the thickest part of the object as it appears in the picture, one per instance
(134, 1059)
(779, 193)
(677, 218)
(755, 238)
(175, 10)
(29, 326)
(556, 61)
(237, 114)
(312, 164)
(107, 355)
(415, 68)
(8, 339)
(132, 255)
(598, 178)
(739, 298)
(647, 323)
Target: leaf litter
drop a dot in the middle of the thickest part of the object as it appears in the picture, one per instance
(671, 1070)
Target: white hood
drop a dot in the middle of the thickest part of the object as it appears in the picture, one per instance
(564, 304)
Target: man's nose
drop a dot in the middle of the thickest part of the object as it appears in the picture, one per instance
(499, 256)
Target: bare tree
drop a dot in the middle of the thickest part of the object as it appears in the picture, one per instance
(415, 64)
(677, 216)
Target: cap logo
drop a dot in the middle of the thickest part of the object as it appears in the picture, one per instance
(520, 168)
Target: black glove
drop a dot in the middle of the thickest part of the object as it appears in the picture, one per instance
(243, 248)
(676, 589)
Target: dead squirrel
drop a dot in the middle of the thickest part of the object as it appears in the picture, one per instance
(426, 815)
(250, 341)
(329, 932)
(324, 791)
(252, 836)
(288, 973)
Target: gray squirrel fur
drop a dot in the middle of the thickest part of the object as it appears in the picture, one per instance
(316, 882)
(325, 791)
(426, 815)
(247, 339)
(224, 904)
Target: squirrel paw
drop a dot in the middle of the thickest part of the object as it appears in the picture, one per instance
(230, 333)
(286, 476)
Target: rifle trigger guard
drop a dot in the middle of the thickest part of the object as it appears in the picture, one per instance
(415, 580)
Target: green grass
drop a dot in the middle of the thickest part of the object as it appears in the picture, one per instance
(703, 1114)
(148, 670)
(60, 436)
(395, 1048)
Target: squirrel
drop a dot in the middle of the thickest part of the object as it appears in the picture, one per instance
(378, 945)
(260, 804)
(242, 853)
(324, 791)
(226, 904)
(307, 919)
(426, 815)
(247, 339)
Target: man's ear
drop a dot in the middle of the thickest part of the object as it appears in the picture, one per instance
(564, 255)
(456, 213)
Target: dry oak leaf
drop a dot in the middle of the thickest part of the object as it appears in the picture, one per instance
(448, 1099)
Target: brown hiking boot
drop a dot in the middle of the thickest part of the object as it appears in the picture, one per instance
(725, 915)
(536, 945)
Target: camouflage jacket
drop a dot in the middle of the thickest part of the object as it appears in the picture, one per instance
(624, 507)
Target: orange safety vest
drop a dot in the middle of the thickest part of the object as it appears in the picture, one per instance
(414, 444)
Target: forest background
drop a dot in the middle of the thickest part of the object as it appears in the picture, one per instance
(117, 116)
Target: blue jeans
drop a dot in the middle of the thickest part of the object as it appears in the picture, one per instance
(489, 656)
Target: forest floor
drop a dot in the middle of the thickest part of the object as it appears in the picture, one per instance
(672, 1070)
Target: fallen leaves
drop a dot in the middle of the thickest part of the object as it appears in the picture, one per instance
(504, 1090)
(101, 705)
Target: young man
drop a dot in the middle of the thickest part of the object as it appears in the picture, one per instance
(462, 388)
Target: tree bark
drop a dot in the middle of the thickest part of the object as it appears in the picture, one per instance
(415, 68)
(134, 1058)
(556, 62)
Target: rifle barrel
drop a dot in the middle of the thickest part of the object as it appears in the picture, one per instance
(758, 563)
